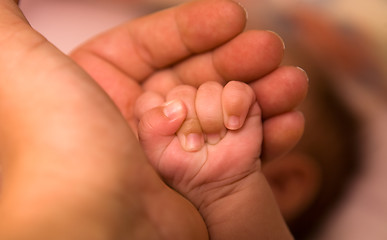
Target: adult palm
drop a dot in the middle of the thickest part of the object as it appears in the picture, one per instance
(71, 166)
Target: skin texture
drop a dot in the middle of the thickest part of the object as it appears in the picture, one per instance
(71, 166)
(222, 175)
(198, 56)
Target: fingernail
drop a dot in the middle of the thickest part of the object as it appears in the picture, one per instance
(244, 8)
(233, 122)
(282, 40)
(213, 138)
(193, 142)
(307, 77)
(173, 109)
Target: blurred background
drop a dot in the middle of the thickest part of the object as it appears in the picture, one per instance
(342, 46)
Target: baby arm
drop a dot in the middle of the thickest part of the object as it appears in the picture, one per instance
(206, 144)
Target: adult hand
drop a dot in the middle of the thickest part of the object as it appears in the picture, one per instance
(194, 43)
(66, 148)
(71, 167)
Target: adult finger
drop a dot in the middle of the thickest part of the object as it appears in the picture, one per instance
(164, 38)
(281, 91)
(247, 57)
(281, 133)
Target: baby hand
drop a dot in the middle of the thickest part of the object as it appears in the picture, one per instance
(203, 139)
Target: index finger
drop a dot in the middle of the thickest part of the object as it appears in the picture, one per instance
(166, 37)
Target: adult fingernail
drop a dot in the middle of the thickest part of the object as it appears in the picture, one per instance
(244, 8)
(307, 77)
(282, 40)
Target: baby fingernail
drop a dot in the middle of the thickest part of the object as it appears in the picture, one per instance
(173, 109)
(193, 142)
(213, 138)
(233, 122)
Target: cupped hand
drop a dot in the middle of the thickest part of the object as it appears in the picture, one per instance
(71, 168)
(194, 43)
